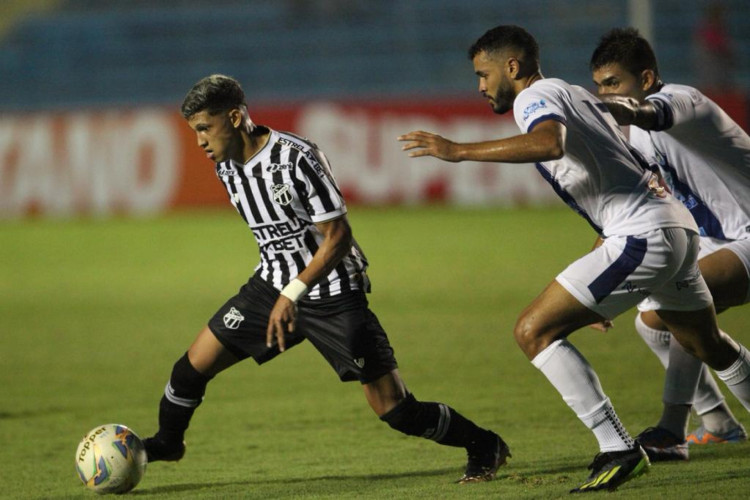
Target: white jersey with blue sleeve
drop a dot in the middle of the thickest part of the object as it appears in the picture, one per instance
(704, 157)
(600, 176)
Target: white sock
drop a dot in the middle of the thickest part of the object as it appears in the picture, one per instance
(737, 377)
(575, 380)
(719, 419)
(683, 372)
(607, 428)
(708, 396)
(710, 400)
(656, 340)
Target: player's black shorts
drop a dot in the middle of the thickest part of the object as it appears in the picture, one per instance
(342, 328)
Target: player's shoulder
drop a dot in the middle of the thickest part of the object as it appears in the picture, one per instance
(552, 89)
(292, 140)
(544, 86)
(549, 95)
(671, 91)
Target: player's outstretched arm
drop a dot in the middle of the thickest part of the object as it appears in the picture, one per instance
(544, 143)
(337, 241)
(628, 111)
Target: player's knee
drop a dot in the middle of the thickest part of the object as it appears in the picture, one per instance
(529, 335)
(651, 320)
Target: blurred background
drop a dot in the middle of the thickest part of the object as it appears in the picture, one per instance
(90, 89)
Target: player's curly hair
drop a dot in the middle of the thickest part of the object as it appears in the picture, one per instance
(626, 47)
(507, 36)
(214, 93)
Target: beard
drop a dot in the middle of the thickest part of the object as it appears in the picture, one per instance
(504, 98)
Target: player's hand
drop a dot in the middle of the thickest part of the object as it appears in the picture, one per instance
(420, 143)
(624, 109)
(602, 326)
(282, 319)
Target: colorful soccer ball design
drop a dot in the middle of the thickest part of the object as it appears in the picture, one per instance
(111, 459)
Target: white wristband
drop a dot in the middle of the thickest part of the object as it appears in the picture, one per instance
(294, 290)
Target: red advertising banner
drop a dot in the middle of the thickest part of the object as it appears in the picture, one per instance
(138, 161)
(101, 162)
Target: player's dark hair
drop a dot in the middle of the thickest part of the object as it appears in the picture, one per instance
(626, 47)
(214, 93)
(504, 37)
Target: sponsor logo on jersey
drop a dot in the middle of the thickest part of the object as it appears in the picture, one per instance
(277, 167)
(533, 107)
(226, 169)
(281, 194)
(281, 236)
(360, 362)
(313, 159)
(233, 318)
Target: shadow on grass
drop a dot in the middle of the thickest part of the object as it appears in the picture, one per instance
(535, 473)
(176, 488)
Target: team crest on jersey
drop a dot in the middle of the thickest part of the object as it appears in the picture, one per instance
(281, 194)
(233, 318)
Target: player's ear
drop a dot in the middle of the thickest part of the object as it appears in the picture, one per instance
(513, 67)
(236, 118)
(648, 79)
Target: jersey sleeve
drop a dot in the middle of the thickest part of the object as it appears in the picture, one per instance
(674, 106)
(319, 193)
(537, 104)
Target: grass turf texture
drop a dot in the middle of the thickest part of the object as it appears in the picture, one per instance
(94, 314)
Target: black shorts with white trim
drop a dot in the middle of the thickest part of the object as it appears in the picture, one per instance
(342, 328)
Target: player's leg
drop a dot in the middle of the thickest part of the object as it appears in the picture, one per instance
(235, 332)
(541, 331)
(351, 339)
(597, 287)
(184, 393)
(699, 334)
(726, 276)
(726, 273)
(684, 304)
(390, 400)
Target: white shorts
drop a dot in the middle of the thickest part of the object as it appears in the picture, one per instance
(655, 270)
(741, 248)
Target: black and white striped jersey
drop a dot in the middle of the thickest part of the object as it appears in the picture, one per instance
(281, 192)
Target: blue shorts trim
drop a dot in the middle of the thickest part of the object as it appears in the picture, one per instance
(615, 274)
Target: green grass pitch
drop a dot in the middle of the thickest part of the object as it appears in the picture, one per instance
(95, 312)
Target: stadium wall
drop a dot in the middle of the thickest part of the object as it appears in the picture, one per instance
(145, 160)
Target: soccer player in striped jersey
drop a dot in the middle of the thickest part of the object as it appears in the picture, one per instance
(704, 157)
(310, 284)
(649, 240)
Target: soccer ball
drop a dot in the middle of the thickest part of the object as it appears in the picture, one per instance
(111, 459)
